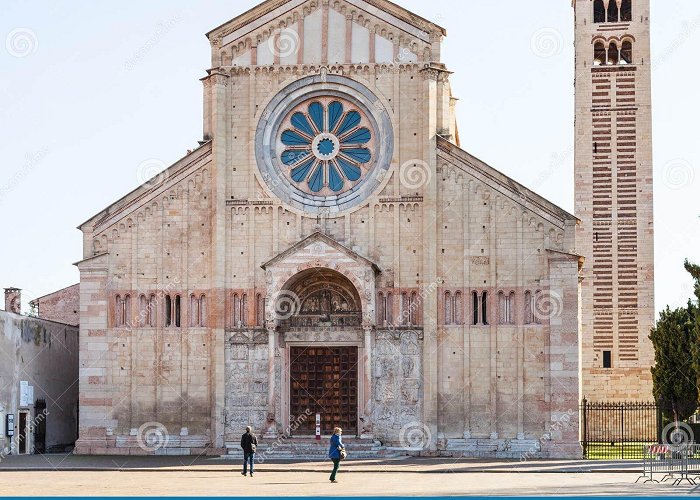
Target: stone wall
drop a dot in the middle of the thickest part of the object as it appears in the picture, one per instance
(45, 354)
(62, 306)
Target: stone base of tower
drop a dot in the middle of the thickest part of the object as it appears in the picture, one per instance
(617, 384)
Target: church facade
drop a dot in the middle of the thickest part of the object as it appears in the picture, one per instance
(330, 250)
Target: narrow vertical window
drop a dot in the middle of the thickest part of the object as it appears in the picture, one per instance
(127, 310)
(152, 316)
(168, 310)
(511, 307)
(447, 306)
(177, 311)
(194, 310)
(501, 308)
(415, 309)
(613, 54)
(390, 308)
(475, 308)
(626, 11)
(244, 309)
(405, 311)
(484, 308)
(459, 306)
(528, 308)
(598, 11)
(626, 52)
(203, 310)
(381, 314)
(536, 304)
(607, 359)
(613, 12)
(143, 310)
(599, 55)
(118, 311)
(260, 310)
(236, 311)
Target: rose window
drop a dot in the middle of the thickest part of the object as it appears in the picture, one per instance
(326, 146)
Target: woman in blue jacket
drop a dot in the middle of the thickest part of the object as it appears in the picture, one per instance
(334, 451)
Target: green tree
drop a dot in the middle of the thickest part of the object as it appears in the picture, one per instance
(675, 374)
(694, 271)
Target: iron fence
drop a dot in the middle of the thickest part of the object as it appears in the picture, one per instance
(619, 431)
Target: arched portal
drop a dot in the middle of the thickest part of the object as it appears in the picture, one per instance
(319, 318)
(320, 298)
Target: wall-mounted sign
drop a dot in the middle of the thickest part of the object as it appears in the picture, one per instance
(26, 393)
(10, 424)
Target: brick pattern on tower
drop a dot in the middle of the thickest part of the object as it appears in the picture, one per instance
(613, 169)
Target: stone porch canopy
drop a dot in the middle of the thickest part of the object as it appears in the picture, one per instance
(319, 251)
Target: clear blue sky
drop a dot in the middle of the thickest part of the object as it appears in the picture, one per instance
(102, 87)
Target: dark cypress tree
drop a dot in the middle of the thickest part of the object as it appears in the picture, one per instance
(675, 374)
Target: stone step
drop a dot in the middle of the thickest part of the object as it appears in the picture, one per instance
(310, 449)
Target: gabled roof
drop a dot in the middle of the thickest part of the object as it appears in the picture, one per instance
(319, 236)
(504, 184)
(370, 6)
(167, 175)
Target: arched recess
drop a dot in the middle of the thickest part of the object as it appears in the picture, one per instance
(598, 11)
(626, 11)
(319, 297)
(599, 54)
(626, 52)
(613, 53)
(613, 12)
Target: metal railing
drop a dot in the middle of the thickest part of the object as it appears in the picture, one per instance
(671, 462)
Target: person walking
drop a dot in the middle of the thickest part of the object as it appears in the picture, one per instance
(334, 452)
(249, 443)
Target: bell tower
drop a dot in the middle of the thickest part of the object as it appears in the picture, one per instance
(614, 197)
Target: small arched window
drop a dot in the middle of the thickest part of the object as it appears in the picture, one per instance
(502, 319)
(118, 311)
(475, 308)
(390, 308)
(381, 309)
(447, 307)
(626, 11)
(240, 309)
(143, 310)
(626, 52)
(168, 310)
(613, 12)
(484, 308)
(600, 57)
(598, 11)
(194, 310)
(458, 311)
(152, 315)
(405, 309)
(260, 310)
(613, 54)
(528, 308)
(415, 309)
(176, 318)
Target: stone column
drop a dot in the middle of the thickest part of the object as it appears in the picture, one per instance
(271, 429)
(366, 431)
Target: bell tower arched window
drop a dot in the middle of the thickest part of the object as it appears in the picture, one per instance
(626, 52)
(600, 57)
(613, 54)
(613, 12)
(598, 11)
(626, 11)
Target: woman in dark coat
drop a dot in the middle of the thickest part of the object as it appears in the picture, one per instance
(334, 451)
